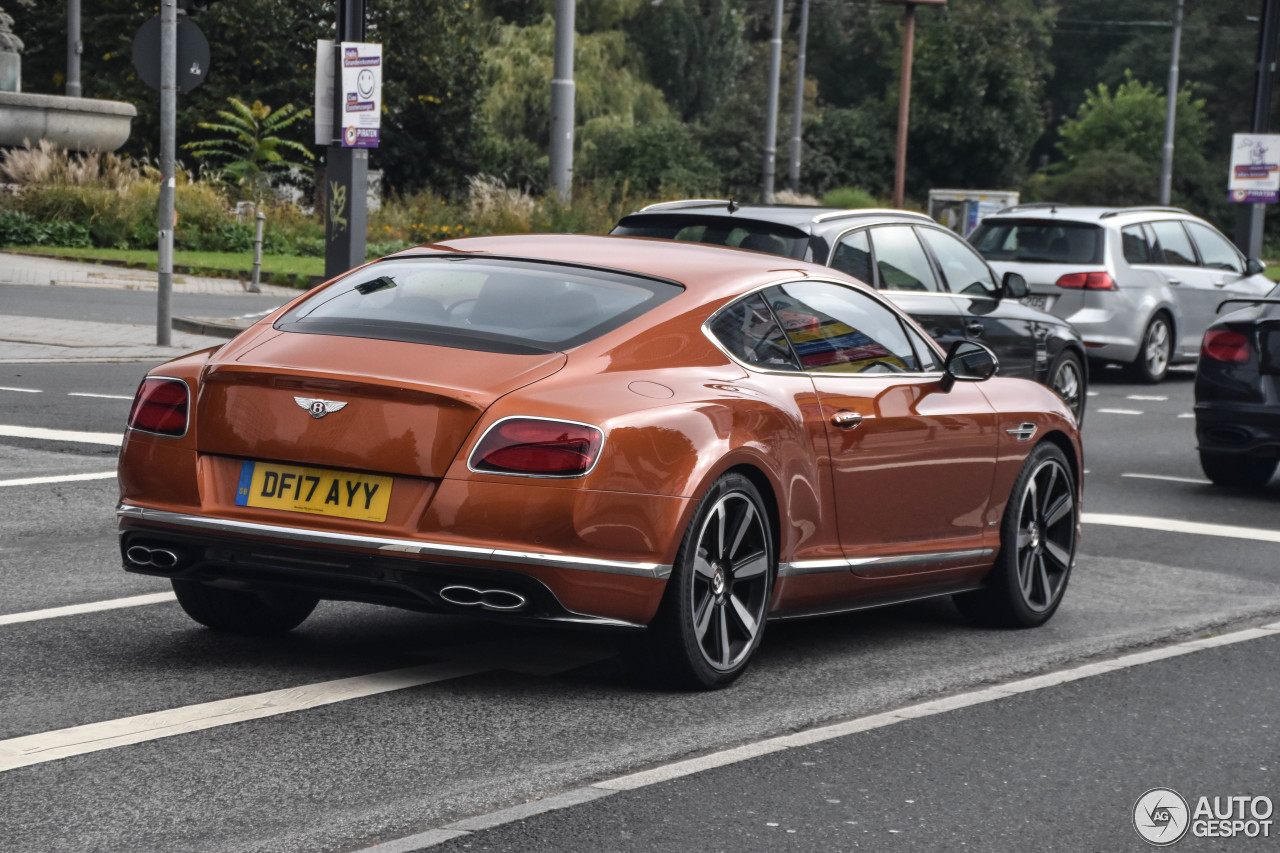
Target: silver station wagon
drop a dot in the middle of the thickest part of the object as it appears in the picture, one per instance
(1141, 284)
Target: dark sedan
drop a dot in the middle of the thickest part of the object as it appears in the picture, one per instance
(927, 270)
(1238, 394)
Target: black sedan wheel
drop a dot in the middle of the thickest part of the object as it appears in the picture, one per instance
(240, 612)
(1037, 546)
(1066, 378)
(712, 616)
(1237, 470)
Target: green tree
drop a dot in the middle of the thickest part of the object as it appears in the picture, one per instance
(249, 147)
(1113, 148)
(693, 51)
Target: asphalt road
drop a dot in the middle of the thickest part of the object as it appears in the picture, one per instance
(497, 716)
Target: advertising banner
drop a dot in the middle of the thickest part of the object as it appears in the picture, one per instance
(1255, 168)
(361, 94)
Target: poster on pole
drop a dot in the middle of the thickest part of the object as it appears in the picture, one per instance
(1255, 168)
(361, 94)
(323, 108)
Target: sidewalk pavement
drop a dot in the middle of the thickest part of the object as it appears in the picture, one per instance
(35, 340)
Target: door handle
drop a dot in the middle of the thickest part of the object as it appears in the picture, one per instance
(1172, 280)
(1222, 283)
(846, 419)
(975, 329)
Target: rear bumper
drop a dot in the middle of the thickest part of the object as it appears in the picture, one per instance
(402, 573)
(1244, 428)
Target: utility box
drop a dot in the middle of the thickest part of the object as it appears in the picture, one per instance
(962, 210)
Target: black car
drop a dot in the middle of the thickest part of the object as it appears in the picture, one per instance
(1238, 394)
(931, 273)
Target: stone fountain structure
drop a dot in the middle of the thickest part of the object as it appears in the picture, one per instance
(77, 124)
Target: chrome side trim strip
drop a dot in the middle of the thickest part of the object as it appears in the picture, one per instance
(871, 566)
(391, 546)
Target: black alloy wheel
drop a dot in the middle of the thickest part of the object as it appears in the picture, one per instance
(1037, 546)
(713, 613)
(234, 611)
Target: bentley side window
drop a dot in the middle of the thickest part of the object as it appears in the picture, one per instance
(835, 329)
(747, 329)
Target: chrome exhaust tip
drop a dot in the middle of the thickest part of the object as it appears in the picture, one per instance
(497, 600)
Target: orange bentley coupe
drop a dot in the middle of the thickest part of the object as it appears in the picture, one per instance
(686, 441)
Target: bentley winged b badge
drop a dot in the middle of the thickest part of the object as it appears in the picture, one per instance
(319, 408)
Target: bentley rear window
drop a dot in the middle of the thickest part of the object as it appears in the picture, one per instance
(490, 304)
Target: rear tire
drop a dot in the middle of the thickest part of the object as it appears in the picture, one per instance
(240, 612)
(1156, 352)
(713, 612)
(1237, 470)
(1037, 547)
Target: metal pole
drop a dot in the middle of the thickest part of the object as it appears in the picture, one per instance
(257, 255)
(74, 48)
(904, 104)
(562, 104)
(797, 111)
(346, 169)
(1251, 218)
(1171, 110)
(771, 108)
(168, 132)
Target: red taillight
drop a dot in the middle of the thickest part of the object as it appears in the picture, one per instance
(160, 407)
(1087, 281)
(1224, 345)
(538, 448)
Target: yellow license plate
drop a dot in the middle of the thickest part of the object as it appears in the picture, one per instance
(318, 491)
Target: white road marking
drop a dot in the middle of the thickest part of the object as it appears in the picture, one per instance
(78, 740)
(22, 390)
(1187, 415)
(1091, 393)
(1195, 480)
(819, 734)
(1118, 411)
(1170, 525)
(99, 396)
(63, 478)
(112, 438)
(91, 607)
(1158, 399)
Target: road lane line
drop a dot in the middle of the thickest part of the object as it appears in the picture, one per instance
(90, 607)
(62, 478)
(112, 438)
(1169, 525)
(1187, 415)
(1118, 411)
(1153, 398)
(99, 396)
(21, 390)
(63, 743)
(1198, 482)
(807, 737)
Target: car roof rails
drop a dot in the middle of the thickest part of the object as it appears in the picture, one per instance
(1032, 205)
(1152, 209)
(687, 202)
(871, 211)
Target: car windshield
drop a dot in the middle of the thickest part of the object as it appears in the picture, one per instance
(489, 304)
(1039, 241)
(753, 234)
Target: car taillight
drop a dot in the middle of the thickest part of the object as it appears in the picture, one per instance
(534, 447)
(160, 407)
(1087, 281)
(1224, 345)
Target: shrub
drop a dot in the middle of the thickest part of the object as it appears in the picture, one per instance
(850, 198)
(19, 229)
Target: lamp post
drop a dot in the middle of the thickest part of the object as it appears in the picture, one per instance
(346, 169)
(562, 104)
(904, 93)
(771, 111)
(74, 48)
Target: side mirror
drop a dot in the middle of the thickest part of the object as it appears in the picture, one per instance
(968, 362)
(1014, 286)
(1254, 267)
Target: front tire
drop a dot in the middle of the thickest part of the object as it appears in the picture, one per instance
(1155, 353)
(713, 612)
(1066, 378)
(236, 611)
(1237, 470)
(1037, 546)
